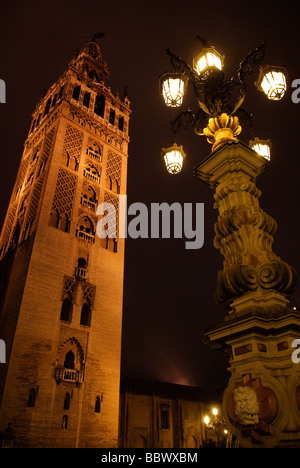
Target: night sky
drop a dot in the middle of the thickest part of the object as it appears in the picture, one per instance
(169, 291)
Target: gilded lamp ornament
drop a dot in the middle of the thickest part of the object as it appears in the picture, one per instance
(222, 129)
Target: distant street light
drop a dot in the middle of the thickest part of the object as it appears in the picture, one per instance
(215, 425)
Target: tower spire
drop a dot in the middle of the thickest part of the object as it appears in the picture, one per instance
(89, 63)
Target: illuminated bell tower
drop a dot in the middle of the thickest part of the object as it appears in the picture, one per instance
(61, 285)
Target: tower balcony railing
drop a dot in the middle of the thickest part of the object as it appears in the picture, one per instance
(91, 176)
(94, 154)
(88, 203)
(86, 236)
(62, 374)
(80, 273)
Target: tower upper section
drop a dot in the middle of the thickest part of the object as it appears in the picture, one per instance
(78, 134)
(83, 86)
(89, 65)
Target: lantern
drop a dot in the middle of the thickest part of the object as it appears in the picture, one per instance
(173, 158)
(272, 81)
(172, 87)
(208, 59)
(261, 147)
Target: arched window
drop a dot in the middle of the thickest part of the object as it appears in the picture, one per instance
(69, 360)
(89, 198)
(73, 163)
(81, 262)
(70, 161)
(64, 424)
(64, 223)
(86, 312)
(140, 442)
(98, 404)
(67, 401)
(99, 105)
(54, 219)
(31, 398)
(47, 106)
(115, 187)
(112, 116)
(76, 92)
(92, 173)
(66, 309)
(86, 230)
(86, 99)
(121, 123)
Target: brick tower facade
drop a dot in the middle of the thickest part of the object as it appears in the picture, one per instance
(61, 284)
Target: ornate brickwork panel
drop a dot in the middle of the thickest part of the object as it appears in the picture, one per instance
(48, 144)
(8, 224)
(112, 222)
(69, 287)
(35, 198)
(37, 189)
(21, 177)
(89, 293)
(98, 129)
(114, 166)
(64, 193)
(73, 142)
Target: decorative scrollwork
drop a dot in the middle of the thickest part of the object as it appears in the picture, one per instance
(216, 96)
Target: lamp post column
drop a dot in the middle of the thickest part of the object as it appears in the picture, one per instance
(261, 403)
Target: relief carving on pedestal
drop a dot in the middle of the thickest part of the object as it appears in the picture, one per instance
(246, 405)
(251, 407)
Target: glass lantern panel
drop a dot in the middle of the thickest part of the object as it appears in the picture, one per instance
(173, 160)
(208, 59)
(173, 92)
(274, 85)
(202, 63)
(263, 150)
(217, 62)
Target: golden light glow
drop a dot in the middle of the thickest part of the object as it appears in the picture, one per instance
(214, 411)
(261, 147)
(225, 431)
(173, 158)
(207, 59)
(272, 81)
(206, 419)
(172, 87)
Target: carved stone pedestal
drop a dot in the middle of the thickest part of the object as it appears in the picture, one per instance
(261, 404)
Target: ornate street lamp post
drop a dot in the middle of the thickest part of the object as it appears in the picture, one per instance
(261, 404)
(220, 115)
